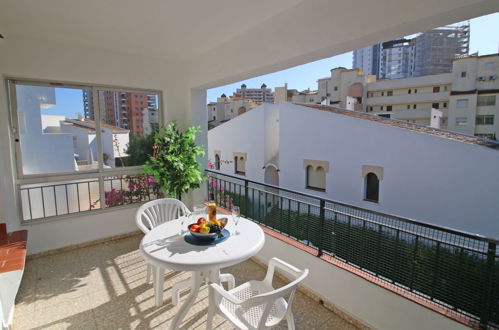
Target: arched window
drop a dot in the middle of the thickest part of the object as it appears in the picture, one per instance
(372, 187)
(241, 166)
(316, 178)
(217, 162)
(240, 163)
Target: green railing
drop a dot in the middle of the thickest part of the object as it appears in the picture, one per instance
(448, 268)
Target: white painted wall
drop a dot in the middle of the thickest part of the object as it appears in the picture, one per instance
(244, 133)
(41, 153)
(359, 298)
(52, 121)
(427, 178)
(271, 123)
(85, 142)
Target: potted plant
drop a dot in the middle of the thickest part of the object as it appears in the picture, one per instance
(174, 164)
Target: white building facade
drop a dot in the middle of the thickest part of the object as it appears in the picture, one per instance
(289, 140)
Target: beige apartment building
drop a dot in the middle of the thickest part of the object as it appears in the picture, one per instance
(464, 100)
(258, 95)
(227, 108)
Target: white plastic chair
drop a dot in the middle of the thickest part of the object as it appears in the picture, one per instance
(256, 304)
(154, 213)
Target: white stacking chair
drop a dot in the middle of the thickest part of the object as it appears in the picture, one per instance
(157, 212)
(153, 214)
(256, 304)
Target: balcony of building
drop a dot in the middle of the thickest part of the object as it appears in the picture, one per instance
(179, 53)
(420, 97)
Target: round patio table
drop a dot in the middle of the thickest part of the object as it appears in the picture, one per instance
(164, 247)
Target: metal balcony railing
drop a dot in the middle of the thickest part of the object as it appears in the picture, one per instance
(52, 199)
(446, 268)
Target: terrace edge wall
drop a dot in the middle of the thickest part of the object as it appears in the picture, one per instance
(354, 295)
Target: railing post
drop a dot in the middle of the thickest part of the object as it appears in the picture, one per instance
(208, 194)
(247, 200)
(322, 212)
(488, 285)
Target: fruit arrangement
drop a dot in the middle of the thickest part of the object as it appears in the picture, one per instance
(204, 226)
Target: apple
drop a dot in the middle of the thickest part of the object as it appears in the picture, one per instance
(195, 228)
(201, 221)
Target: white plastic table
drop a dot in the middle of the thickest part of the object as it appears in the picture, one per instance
(164, 248)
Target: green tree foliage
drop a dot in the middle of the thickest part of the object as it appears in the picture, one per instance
(174, 165)
(139, 148)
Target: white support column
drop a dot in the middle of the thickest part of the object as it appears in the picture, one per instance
(199, 117)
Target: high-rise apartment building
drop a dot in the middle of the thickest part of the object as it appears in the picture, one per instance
(133, 111)
(258, 95)
(429, 53)
(396, 59)
(367, 59)
(435, 49)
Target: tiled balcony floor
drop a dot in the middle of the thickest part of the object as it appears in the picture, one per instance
(104, 287)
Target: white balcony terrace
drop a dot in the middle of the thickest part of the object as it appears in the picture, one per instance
(181, 50)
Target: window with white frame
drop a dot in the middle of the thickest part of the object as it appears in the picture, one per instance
(79, 148)
(485, 120)
(462, 103)
(486, 100)
(315, 174)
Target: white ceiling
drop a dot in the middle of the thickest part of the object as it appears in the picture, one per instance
(222, 41)
(170, 29)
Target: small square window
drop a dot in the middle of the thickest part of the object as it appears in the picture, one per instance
(388, 108)
(463, 74)
(436, 89)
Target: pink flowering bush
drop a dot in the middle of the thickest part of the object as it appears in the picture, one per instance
(113, 198)
(139, 188)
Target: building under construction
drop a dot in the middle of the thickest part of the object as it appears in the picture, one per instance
(428, 53)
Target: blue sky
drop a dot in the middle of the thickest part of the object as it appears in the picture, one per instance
(69, 103)
(484, 38)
